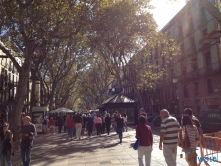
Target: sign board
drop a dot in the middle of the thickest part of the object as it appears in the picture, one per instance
(211, 120)
(37, 118)
(38, 127)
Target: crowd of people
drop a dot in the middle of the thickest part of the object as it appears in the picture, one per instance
(171, 133)
(77, 124)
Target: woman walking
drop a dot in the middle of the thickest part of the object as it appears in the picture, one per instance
(98, 124)
(60, 123)
(193, 134)
(125, 120)
(6, 145)
(78, 126)
(108, 123)
(52, 125)
(120, 125)
(144, 133)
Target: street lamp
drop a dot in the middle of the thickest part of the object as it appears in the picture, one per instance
(176, 96)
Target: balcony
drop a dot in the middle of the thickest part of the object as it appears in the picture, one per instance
(212, 69)
(192, 50)
(212, 36)
(203, 46)
(204, 71)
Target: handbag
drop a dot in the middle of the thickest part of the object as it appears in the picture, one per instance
(3, 141)
(136, 144)
(185, 143)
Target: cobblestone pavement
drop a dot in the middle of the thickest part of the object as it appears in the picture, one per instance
(55, 150)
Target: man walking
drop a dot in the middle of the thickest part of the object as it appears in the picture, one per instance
(89, 124)
(78, 126)
(169, 137)
(28, 131)
(70, 126)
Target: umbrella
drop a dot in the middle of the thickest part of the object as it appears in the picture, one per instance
(62, 109)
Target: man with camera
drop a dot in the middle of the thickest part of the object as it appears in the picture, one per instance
(27, 133)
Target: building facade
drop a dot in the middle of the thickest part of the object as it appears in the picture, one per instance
(8, 81)
(197, 72)
(194, 77)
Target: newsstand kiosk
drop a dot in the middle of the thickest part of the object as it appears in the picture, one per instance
(38, 114)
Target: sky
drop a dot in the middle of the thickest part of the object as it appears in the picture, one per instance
(165, 10)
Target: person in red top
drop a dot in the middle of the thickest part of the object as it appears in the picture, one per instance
(144, 133)
(70, 127)
(52, 125)
(98, 124)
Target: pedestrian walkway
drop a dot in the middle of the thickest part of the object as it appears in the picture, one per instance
(55, 150)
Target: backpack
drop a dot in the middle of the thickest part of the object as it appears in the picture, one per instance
(45, 122)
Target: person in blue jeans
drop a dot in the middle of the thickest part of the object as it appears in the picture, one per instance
(7, 145)
(70, 126)
(90, 122)
(120, 125)
(27, 133)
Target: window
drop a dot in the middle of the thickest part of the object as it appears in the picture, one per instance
(191, 28)
(203, 14)
(156, 53)
(208, 61)
(192, 42)
(185, 91)
(157, 62)
(182, 48)
(151, 58)
(194, 64)
(205, 32)
(183, 67)
(210, 86)
(180, 33)
(196, 88)
(163, 61)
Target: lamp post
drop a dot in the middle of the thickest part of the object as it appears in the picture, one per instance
(176, 96)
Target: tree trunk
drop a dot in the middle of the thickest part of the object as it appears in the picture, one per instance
(21, 94)
(33, 96)
(140, 100)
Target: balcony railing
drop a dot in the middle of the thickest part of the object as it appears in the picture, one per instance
(213, 68)
(204, 71)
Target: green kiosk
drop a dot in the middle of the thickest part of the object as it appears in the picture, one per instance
(38, 114)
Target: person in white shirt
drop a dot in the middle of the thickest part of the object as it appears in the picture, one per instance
(45, 125)
(125, 120)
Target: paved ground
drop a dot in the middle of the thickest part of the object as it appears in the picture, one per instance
(55, 150)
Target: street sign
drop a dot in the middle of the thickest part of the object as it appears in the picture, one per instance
(211, 120)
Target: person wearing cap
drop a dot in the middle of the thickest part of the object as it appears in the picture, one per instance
(28, 131)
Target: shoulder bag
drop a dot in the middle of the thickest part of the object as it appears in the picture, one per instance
(3, 141)
(185, 143)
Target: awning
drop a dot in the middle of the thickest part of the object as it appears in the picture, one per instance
(118, 98)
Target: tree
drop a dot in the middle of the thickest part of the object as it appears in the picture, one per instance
(26, 25)
(94, 83)
(119, 30)
(142, 74)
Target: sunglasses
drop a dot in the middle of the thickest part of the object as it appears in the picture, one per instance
(5, 126)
